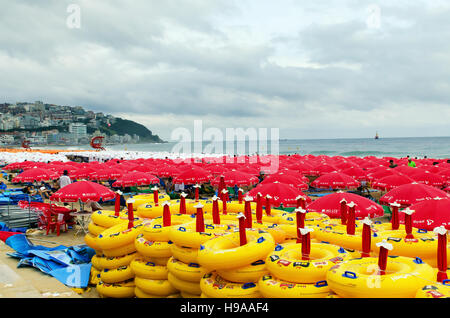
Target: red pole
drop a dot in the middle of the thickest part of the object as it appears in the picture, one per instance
(183, 203)
(215, 210)
(268, 207)
(155, 195)
(130, 213)
(351, 219)
(385, 247)
(395, 220)
(300, 218)
(248, 211)
(199, 221)
(117, 203)
(366, 237)
(167, 221)
(240, 195)
(441, 231)
(224, 201)
(259, 211)
(408, 223)
(196, 192)
(301, 202)
(306, 242)
(343, 211)
(242, 226)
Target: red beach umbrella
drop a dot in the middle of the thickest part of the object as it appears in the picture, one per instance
(390, 182)
(286, 179)
(356, 173)
(429, 178)
(411, 193)
(35, 174)
(106, 174)
(430, 214)
(281, 194)
(234, 177)
(193, 176)
(335, 180)
(82, 173)
(380, 174)
(331, 205)
(83, 190)
(135, 178)
(323, 169)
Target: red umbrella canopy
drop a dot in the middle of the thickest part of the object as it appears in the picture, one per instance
(335, 180)
(430, 214)
(411, 193)
(356, 173)
(193, 176)
(82, 173)
(429, 178)
(35, 174)
(106, 174)
(406, 170)
(322, 169)
(286, 179)
(390, 182)
(215, 169)
(238, 178)
(281, 194)
(331, 205)
(292, 173)
(83, 190)
(302, 167)
(135, 179)
(380, 174)
(167, 171)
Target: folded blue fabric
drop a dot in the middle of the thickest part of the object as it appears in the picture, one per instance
(70, 265)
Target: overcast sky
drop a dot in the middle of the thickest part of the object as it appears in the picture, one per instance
(314, 69)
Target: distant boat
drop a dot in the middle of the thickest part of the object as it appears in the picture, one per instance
(376, 136)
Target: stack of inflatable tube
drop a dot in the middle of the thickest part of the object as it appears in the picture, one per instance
(436, 290)
(154, 251)
(234, 269)
(100, 221)
(141, 199)
(290, 276)
(117, 252)
(184, 270)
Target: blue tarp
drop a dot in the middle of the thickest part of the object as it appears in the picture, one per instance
(70, 265)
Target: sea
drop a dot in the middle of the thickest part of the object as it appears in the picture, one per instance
(431, 147)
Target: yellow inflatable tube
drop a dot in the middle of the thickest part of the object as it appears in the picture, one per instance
(225, 252)
(186, 235)
(155, 231)
(190, 272)
(245, 274)
(184, 286)
(286, 263)
(116, 275)
(119, 235)
(152, 248)
(358, 277)
(158, 287)
(272, 287)
(148, 270)
(214, 286)
(120, 290)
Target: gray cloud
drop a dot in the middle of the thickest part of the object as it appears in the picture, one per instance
(163, 63)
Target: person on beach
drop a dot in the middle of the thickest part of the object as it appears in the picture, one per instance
(392, 164)
(94, 206)
(64, 179)
(411, 163)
